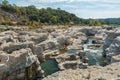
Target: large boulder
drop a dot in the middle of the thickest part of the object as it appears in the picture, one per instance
(9, 47)
(18, 61)
(111, 35)
(38, 50)
(39, 37)
(90, 31)
(113, 50)
(49, 45)
(70, 61)
(99, 37)
(64, 41)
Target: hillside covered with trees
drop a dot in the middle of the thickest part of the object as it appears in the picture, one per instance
(109, 21)
(30, 15)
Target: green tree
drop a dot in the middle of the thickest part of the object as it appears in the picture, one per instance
(5, 2)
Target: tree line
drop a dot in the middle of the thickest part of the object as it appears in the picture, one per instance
(30, 15)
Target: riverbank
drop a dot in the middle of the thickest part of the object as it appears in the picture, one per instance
(36, 54)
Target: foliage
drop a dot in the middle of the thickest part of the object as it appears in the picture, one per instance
(31, 16)
(111, 21)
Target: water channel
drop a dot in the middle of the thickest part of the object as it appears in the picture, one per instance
(94, 55)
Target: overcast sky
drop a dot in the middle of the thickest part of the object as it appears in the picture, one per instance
(82, 8)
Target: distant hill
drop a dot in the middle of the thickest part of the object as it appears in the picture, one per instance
(111, 21)
(31, 16)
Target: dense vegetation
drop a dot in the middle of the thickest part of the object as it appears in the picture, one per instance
(30, 15)
(11, 14)
(111, 21)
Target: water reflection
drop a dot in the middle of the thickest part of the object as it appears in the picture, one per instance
(50, 66)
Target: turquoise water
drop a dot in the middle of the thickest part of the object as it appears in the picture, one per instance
(95, 56)
(49, 67)
(71, 51)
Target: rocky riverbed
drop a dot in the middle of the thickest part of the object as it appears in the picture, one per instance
(110, 72)
(86, 53)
